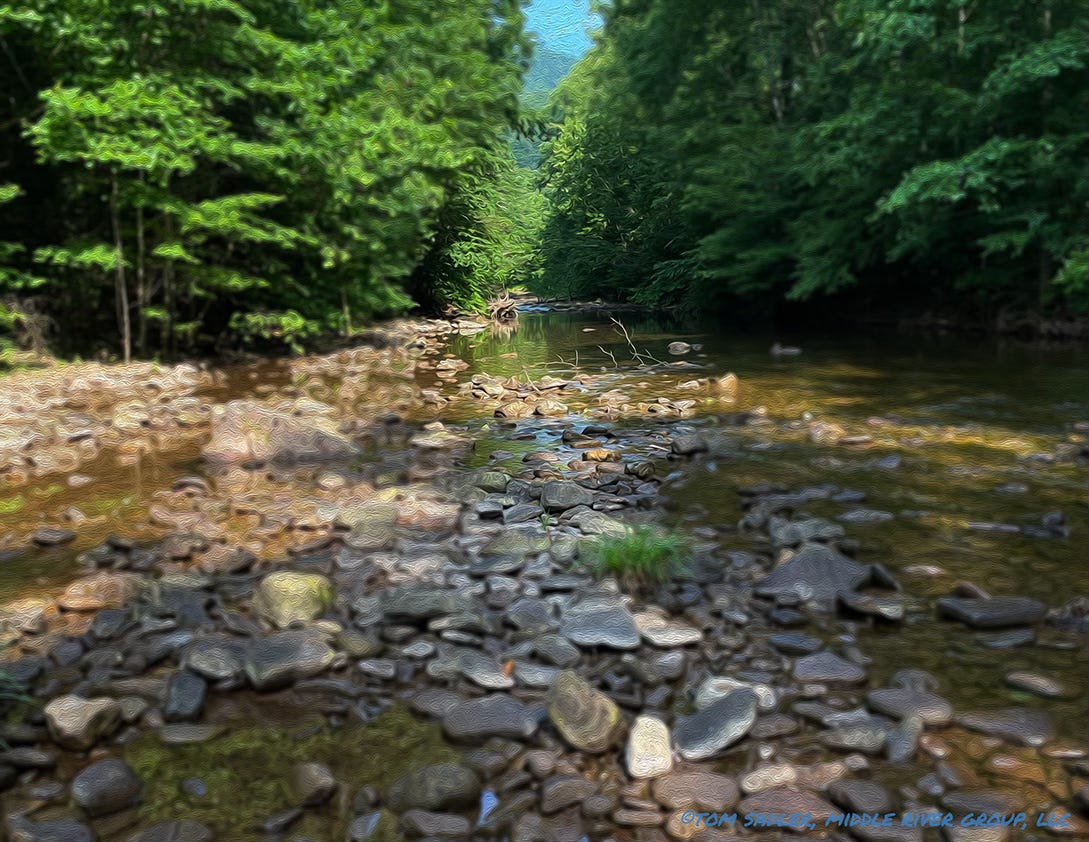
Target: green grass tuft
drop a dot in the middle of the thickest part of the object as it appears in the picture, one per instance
(645, 556)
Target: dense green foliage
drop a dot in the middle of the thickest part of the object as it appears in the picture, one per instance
(178, 172)
(920, 154)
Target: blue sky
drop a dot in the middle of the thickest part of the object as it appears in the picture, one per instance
(561, 24)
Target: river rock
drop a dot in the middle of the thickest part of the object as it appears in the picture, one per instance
(563, 791)
(216, 660)
(281, 659)
(716, 687)
(250, 432)
(815, 571)
(658, 631)
(311, 784)
(418, 604)
(600, 621)
(104, 589)
(184, 697)
(586, 718)
(76, 723)
(903, 703)
(678, 348)
(1026, 726)
(827, 666)
(495, 715)
(789, 801)
(286, 597)
(649, 753)
(51, 536)
(106, 787)
(444, 786)
(560, 495)
(706, 733)
(993, 613)
(700, 790)
(1033, 682)
(688, 445)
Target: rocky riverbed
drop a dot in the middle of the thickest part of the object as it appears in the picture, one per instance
(354, 601)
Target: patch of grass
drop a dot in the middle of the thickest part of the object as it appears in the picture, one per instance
(645, 556)
(246, 769)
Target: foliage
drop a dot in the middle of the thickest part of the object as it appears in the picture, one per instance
(928, 153)
(644, 556)
(253, 169)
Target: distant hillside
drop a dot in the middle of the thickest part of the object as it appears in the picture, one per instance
(548, 68)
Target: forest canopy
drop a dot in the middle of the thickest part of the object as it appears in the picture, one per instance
(926, 154)
(181, 172)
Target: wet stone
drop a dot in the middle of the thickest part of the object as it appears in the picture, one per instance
(902, 703)
(725, 722)
(795, 643)
(184, 697)
(496, 715)
(428, 824)
(106, 787)
(600, 621)
(828, 667)
(860, 796)
(444, 786)
(586, 718)
(1032, 682)
(815, 571)
(1025, 726)
(996, 612)
(77, 723)
(173, 831)
(564, 791)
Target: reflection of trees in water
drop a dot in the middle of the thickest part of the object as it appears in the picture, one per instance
(544, 340)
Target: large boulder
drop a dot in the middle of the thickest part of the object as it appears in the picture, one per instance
(586, 718)
(250, 432)
(77, 723)
(287, 597)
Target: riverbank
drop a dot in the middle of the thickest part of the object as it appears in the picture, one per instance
(426, 590)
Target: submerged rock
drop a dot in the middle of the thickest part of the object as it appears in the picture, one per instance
(815, 571)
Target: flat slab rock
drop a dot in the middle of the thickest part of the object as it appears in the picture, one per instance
(815, 571)
(828, 666)
(600, 621)
(994, 613)
(496, 715)
(706, 733)
(1026, 726)
(788, 800)
(902, 703)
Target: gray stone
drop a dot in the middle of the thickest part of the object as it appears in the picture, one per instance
(827, 666)
(444, 786)
(21, 829)
(412, 603)
(281, 659)
(564, 791)
(902, 703)
(1025, 726)
(705, 791)
(184, 697)
(600, 621)
(688, 445)
(993, 613)
(706, 733)
(215, 660)
(1034, 682)
(560, 495)
(815, 571)
(106, 787)
(495, 715)
(427, 824)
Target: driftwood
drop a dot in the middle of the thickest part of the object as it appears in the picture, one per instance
(503, 309)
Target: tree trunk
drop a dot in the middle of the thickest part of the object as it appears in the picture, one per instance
(122, 288)
(141, 282)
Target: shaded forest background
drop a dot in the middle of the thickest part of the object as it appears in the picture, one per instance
(190, 176)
